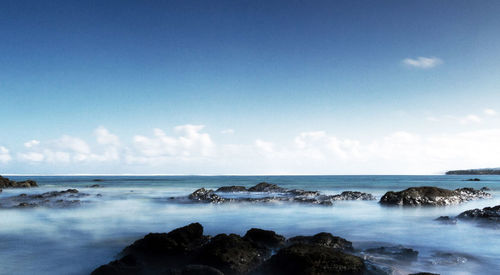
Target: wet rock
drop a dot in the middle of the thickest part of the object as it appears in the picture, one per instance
(474, 179)
(264, 238)
(97, 180)
(323, 239)
(231, 254)
(431, 196)
(305, 193)
(266, 187)
(95, 186)
(353, 195)
(6, 183)
(398, 253)
(303, 258)
(204, 195)
(446, 220)
(233, 188)
(487, 214)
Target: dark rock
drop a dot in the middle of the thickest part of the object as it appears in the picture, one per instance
(231, 254)
(323, 239)
(312, 259)
(231, 189)
(204, 195)
(487, 214)
(399, 253)
(353, 195)
(6, 183)
(125, 266)
(447, 220)
(264, 238)
(178, 242)
(431, 196)
(300, 192)
(195, 270)
(266, 187)
(485, 189)
(474, 179)
(95, 186)
(97, 180)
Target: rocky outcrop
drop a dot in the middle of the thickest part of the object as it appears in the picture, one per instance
(66, 198)
(487, 214)
(276, 194)
(486, 171)
(266, 187)
(323, 239)
(232, 189)
(204, 195)
(446, 220)
(6, 183)
(431, 196)
(187, 251)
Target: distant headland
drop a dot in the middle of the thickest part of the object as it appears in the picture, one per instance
(483, 171)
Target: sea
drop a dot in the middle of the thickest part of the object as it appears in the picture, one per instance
(76, 240)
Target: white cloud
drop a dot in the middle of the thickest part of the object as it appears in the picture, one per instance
(31, 143)
(104, 137)
(190, 142)
(227, 131)
(470, 119)
(490, 112)
(422, 62)
(4, 155)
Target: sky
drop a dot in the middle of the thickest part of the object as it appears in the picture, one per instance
(249, 87)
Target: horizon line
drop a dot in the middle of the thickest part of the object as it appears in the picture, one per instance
(211, 175)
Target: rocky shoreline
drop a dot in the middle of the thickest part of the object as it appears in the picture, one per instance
(188, 251)
(7, 183)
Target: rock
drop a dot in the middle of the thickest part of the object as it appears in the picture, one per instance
(353, 195)
(195, 270)
(97, 180)
(450, 258)
(446, 220)
(303, 258)
(233, 188)
(231, 254)
(398, 253)
(178, 242)
(474, 179)
(300, 192)
(95, 186)
(423, 273)
(485, 189)
(323, 239)
(264, 238)
(431, 196)
(487, 214)
(266, 187)
(204, 195)
(6, 183)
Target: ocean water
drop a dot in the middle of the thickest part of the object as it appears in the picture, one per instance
(78, 240)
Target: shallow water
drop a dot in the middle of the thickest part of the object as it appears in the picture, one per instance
(77, 240)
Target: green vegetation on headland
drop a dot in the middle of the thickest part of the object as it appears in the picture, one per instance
(485, 171)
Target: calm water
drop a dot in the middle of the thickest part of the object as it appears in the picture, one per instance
(77, 240)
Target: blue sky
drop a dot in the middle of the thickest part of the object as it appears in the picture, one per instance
(293, 87)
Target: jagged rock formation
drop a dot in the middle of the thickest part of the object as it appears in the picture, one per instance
(431, 196)
(187, 251)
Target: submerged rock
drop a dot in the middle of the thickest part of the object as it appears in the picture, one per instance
(431, 196)
(391, 253)
(447, 220)
(66, 198)
(7, 183)
(187, 251)
(474, 179)
(303, 258)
